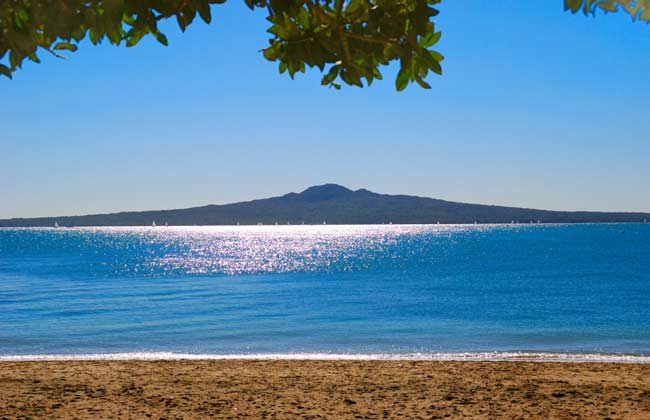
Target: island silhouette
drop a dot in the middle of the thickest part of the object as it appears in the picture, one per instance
(333, 204)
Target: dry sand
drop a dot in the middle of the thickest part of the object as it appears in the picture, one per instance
(323, 389)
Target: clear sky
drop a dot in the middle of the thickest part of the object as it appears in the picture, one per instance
(536, 108)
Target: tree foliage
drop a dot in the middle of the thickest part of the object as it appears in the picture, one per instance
(637, 9)
(347, 40)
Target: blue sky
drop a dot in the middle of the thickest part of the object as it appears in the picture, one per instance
(536, 108)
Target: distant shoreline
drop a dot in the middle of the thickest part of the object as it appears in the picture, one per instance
(332, 224)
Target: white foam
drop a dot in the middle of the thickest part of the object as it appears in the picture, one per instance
(469, 356)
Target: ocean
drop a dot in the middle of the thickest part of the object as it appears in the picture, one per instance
(557, 292)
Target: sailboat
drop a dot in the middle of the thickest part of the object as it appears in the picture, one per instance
(56, 224)
(166, 224)
(153, 224)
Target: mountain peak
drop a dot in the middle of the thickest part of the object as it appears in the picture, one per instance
(325, 192)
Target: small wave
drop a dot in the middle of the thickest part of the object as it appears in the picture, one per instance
(468, 356)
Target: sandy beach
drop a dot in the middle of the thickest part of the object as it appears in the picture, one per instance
(323, 389)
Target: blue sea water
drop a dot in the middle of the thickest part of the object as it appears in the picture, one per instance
(326, 289)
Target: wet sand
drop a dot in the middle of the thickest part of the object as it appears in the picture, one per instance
(323, 389)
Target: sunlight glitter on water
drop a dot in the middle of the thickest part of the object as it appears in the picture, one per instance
(276, 249)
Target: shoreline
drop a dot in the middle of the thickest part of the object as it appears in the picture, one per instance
(495, 356)
(243, 225)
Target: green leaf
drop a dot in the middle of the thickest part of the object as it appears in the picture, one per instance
(161, 38)
(204, 11)
(4, 70)
(331, 75)
(355, 8)
(402, 79)
(430, 39)
(21, 18)
(434, 64)
(65, 46)
(134, 38)
(436, 56)
(351, 76)
(272, 53)
(14, 59)
(422, 83)
(573, 5)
